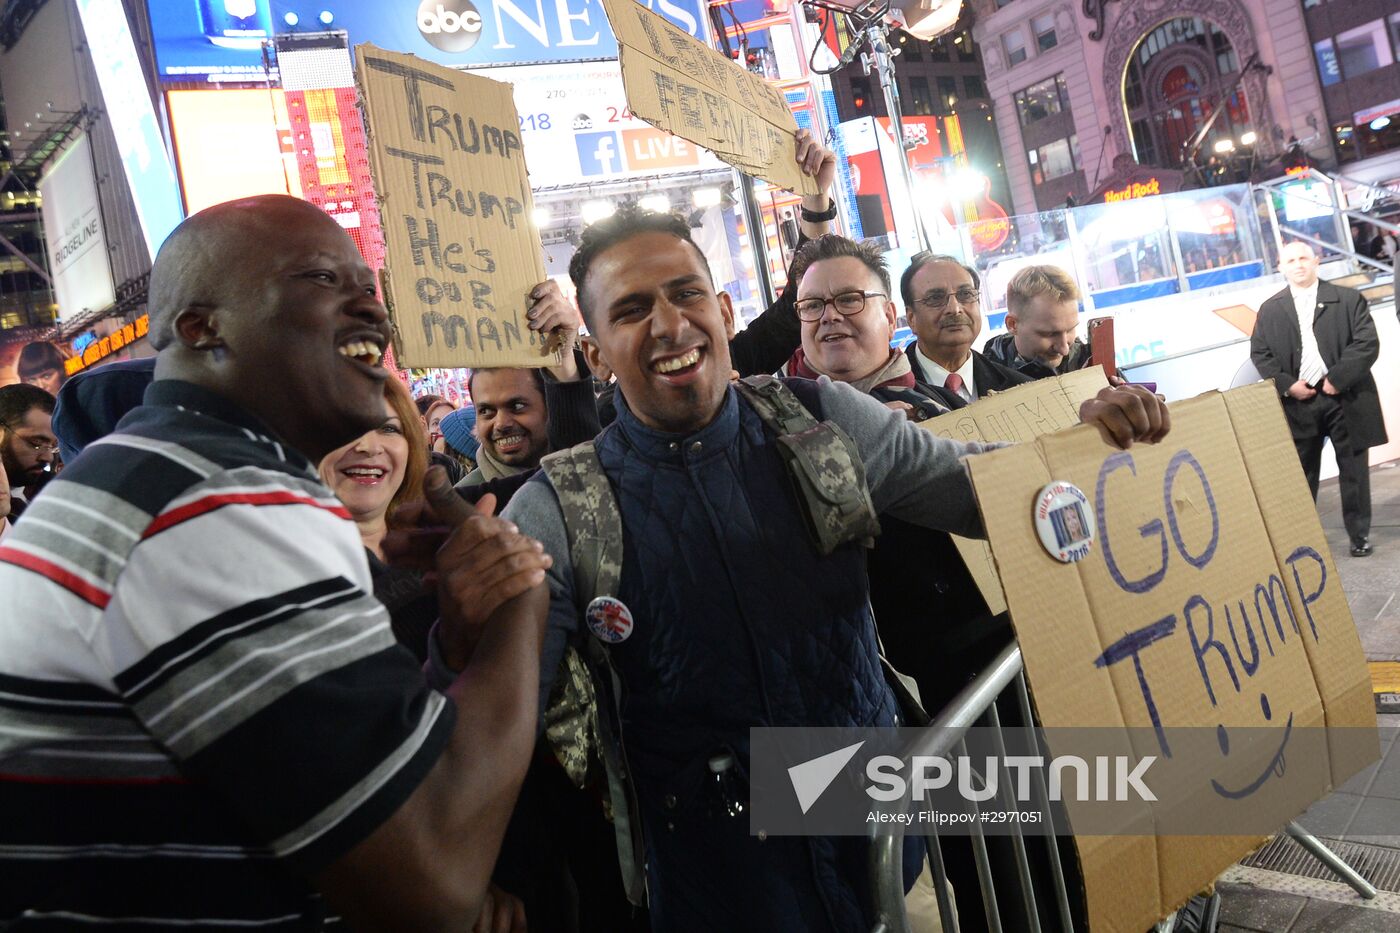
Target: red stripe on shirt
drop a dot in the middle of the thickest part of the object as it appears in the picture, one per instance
(218, 500)
(64, 578)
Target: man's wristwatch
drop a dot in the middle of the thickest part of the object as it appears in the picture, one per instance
(818, 217)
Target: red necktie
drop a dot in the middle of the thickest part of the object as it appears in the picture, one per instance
(953, 384)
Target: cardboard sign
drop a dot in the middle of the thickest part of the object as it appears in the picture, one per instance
(1208, 607)
(462, 251)
(680, 85)
(1020, 414)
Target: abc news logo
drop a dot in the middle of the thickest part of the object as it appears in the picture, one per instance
(449, 25)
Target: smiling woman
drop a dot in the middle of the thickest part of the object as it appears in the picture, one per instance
(373, 474)
(381, 468)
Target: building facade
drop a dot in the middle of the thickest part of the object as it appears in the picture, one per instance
(1085, 92)
(1356, 48)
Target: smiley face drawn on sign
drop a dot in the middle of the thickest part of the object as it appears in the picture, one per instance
(1276, 766)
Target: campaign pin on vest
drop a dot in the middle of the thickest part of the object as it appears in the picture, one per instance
(609, 619)
(1065, 522)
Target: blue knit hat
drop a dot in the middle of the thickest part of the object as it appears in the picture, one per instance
(456, 429)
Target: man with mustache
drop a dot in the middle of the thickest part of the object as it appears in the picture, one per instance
(943, 299)
(511, 423)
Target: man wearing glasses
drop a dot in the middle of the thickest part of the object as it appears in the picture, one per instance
(943, 297)
(27, 444)
(848, 318)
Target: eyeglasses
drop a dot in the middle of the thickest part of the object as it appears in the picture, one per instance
(38, 447)
(846, 303)
(937, 301)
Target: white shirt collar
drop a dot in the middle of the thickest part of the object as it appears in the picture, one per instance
(937, 375)
(1309, 293)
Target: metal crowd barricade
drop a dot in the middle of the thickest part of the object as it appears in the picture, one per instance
(974, 705)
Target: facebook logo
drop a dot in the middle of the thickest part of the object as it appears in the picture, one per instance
(598, 153)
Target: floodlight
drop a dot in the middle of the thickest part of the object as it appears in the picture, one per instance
(929, 19)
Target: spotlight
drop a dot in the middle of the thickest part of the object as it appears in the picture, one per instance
(1380, 123)
(594, 211)
(656, 203)
(291, 19)
(706, 197)
(542, 215)
(1249, 139)
(326, 17)
(1225, 145)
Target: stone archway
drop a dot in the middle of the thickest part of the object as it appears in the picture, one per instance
(1135, 20)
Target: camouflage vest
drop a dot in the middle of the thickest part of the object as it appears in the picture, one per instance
(584, 731)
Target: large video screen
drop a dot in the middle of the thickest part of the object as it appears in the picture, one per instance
(222, 40)
(231, 144)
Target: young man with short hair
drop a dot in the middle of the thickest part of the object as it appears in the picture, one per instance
(1042, 318)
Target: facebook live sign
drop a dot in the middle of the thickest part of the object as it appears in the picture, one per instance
(575, 127)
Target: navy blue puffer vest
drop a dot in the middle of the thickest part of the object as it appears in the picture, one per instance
(738, 623)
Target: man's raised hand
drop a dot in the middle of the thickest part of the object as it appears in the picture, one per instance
(1128, 413)
(477, 561)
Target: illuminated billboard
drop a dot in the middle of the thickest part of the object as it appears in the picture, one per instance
(232, 144)
(221, 40)
(73, 233)
(306, 140)
(148, 171)
(327, 137)
(576, 128)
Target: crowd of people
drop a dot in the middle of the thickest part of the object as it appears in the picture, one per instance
(283, 644)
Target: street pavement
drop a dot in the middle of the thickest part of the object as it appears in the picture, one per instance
(1361, 818)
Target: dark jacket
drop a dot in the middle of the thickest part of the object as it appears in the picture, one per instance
(1348, 344)
(986, 375)
(933, 622)
(729, 658)
(91, 403)
(927, 401)
(1001, 350)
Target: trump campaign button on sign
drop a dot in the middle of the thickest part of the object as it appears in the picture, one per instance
(1065, 522)
(609, 619)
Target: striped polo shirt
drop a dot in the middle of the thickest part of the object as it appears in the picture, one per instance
(201, 703)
